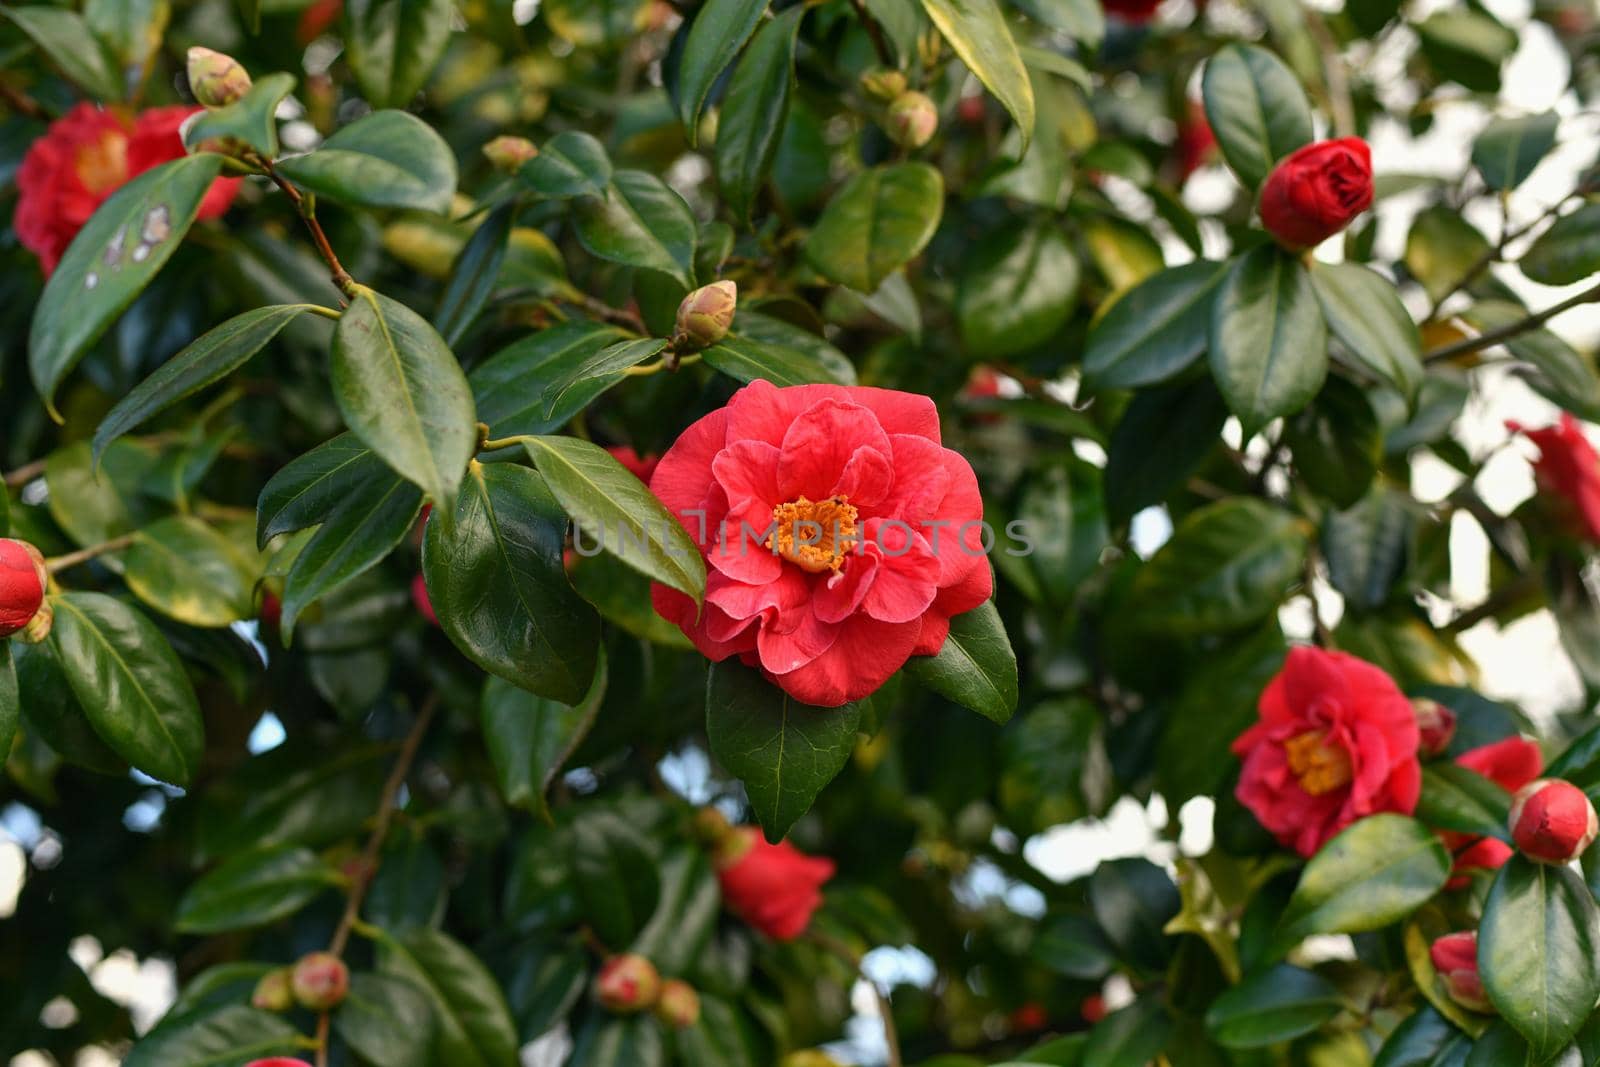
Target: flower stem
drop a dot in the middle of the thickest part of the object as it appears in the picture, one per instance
(307, 208)
(56, 564)
(1489, 338)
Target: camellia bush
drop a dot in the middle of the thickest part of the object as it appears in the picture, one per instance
(610, 532)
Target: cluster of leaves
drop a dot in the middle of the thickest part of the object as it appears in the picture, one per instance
(257, 412)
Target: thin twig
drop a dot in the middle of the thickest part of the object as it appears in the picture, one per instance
(879, 43)
(1334, 76)
(1489, 338)
(341, 277)
(24, 474)
(891, 1036)
(601, 310)
(56, 564)
(21, 102)
(323, 1025)
(1497, 252)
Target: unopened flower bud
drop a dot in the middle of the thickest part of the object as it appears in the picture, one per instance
(627, 984)
(912, 120)
(1436, 724)
(278, 1061)
(420, 600)
(711, 826)
(883, 83)
(23, 580)
(274, 992)
(678, 1005)
(38, 628)
(706, 314)
(510, 153)
(320, 981)
(1552, 821)
(216, 80)
(810, 1057)
(1455, 957)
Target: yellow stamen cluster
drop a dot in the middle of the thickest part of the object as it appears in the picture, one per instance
(814, 534)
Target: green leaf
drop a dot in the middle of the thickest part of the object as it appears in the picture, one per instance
(614, 867)
(1228, 564)
(250, 13)
(1129, 1037)
(65, 38)
(1018, 287)
(1556, 370)
(877, 223)
(402, 392)
(977, 31)
(600, 372)
(254, 888)
(1367, 547)
(251, 119)
(1155, 330)
(94, 506)
(572, 163)
(1163, 435)
(131, 31)
(206, 361)
(223, 1038)
(10, 701)
(1257, 109)
(130, 684)
(1376, 872)
(124, 245)
(1134, 900)
(545, 984)
(686, 915)
(474, 1027)
(1441, 249)
(1364, 312)
(754, 110)
(386, 1020)
(497, 584)
(388, 159)
(762, 346)
(717, 1039)
(782, 750)
(719, 30)
(639, 221)
(604, 499)
(976, 668)
(1537, 952)
(1569, 251)
(393, 46)
(1268, 344)
(1455, 798)
(474, 275)
(610, 1041)
(1337, 443)
(1507, 150)
(191, 572)
(509, 386)
(1274, 1006)
(54, 714)
(1425, 1039)
(1082, 20)
(530, 737)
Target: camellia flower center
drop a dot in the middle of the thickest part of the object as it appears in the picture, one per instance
(1320, 767)
(814, 534)
(103, 165)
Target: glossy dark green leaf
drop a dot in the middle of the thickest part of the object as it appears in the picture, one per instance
(639, 221)
(131, 32)
(1425, 1039)
(1569, 251)
(64, 36)
(1374, 873)
(1162, 436)
(1508, 149)
(1018, 286)
(976, 668)
(94, 506)
(1227, 565)
(977, 31)
(1072, 945)
(388, 159)
(544, 985)
(1442, 248)
(719, 30)
(686, 915)
(1455, 798)
(609, 503)
(1129, 1037)
(473, 1026)
(191, 572)
(613, 1041)
(402, 392)
(1555, 369)
(750, 122)
(254, 888)
(227, 1036)
(530, 737)
(614, 866)
(717, 1039)
(1364, 312)
(572, 163)
(1268, 344)
(509, 386)
(393, 45)
(1065, 500)
(212, 357)
(53, 713)
(124, 245)
(1337, 443)
(1537, 952)
(1276, 1005)
(1256, 108)
(1216, 704)
(1367, 547)
(252, 119)
(474, 275)
(1155, 330)
(386, 1020)
(600, 372)
(877, 223)
(1133, 900)
(762, 346)
(497, 584)
(130, 684)
(784, 751)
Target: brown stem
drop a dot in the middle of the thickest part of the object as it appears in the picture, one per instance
(24, 474)
(891, 1036)
(56, 564)
(874, 31)
(1497, 251)
(323, 1022)
(601, 310)
(1493, 337)
(341, 277)
(1493, 604)
(368, 863)
(22, 103)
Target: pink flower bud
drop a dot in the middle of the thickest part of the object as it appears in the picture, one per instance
(1436, 723)
(320, 981)
(706, 315)
(23, 580)
(275, 991)
(627, 984)
(912, 120)
(1455, 957)
(509, 153)
(678, 1005)
(216, 80)
(278, 1061)
(1552, 821)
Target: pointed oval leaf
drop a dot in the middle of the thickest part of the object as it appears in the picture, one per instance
(595, 375)
(1426, 1039)
(473, 1023)
(66, 39)
(1276, 1005)
(719, 30)
(572, 163)
(230, 1035)
(475, 274)
(386, 1020)
(389, 159)
(393, 45)
(191, 572)
(640, 221)
(1508, 149)
(254, 888)
(1018, 287)
(54, 714)
(1457, 798)
(614, 866)
(977, 30)
(510, 385)
(1364, 312)
(753, 113)
(1269, 345)
(252, 119)
(976, 667)
(529, 737)
(877, 223)
(1257, 109)
(1569, 251)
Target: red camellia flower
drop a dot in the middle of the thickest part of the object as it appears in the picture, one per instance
(774, 888)
(1455, 957)
(1568, 472)
(1552, 821)
(22, 585)
(1316, 191)
(1511, 764)
(641, 467)
(419, 599)
(1196, 143)
(841, 536)
(1336, 741)
(1132, 10)
(278, 1061)
(317, 19)
(84, 157)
